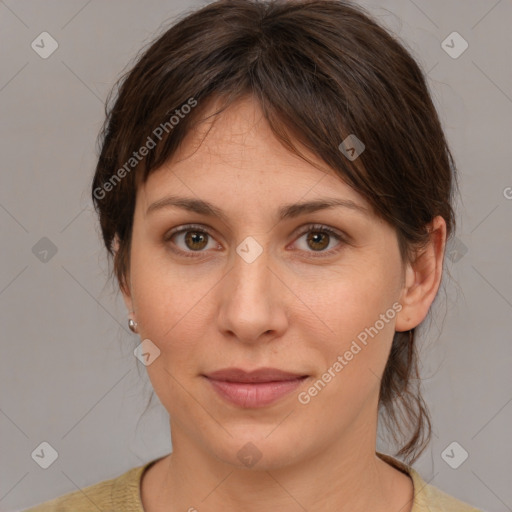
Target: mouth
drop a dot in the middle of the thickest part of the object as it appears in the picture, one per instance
(253, 389)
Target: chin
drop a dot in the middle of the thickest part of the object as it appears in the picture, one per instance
(254, 449)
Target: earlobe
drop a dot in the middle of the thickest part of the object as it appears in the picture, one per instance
(423, 277)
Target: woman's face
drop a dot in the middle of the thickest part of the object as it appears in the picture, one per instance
(262, 289)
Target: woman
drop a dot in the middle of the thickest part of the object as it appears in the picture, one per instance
(276, 191)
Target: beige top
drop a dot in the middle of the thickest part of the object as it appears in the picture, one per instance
(122, 494)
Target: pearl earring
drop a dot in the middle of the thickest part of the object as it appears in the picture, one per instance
(132, 324)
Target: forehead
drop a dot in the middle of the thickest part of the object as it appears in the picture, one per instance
(237, 147)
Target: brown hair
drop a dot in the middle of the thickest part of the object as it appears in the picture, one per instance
(320, 70)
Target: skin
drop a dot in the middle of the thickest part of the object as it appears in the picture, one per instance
(287, 309)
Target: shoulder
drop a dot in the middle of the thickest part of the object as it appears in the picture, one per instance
(428, 498)
(432, 499)
(115, 494)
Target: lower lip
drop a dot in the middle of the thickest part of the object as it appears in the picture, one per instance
(257, 394)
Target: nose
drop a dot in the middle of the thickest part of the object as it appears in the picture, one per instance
(252, 305)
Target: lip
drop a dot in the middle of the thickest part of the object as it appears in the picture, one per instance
(252, 376)
(252, 389)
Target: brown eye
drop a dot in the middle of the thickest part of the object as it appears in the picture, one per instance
(188, 240)
(196, 240)
(318, 240)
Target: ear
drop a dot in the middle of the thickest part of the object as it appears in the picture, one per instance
(124, 287)
(422, 278)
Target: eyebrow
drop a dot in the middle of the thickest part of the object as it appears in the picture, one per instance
(287, 211)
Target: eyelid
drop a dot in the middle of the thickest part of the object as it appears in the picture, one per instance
(306, 228)
(186, 227)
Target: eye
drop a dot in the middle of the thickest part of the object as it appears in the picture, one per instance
(319, 237)
(194, 238)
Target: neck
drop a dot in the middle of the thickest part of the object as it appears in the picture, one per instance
(347, 476)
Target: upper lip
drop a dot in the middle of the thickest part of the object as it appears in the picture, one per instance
(258, 375)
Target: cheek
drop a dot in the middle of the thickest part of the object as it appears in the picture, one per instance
(355, 316)
(172, 307)
(164, 294)
(346, 302)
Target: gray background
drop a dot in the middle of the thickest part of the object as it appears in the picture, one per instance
(68, 374)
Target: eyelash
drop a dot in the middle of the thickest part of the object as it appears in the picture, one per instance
(320, 228)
